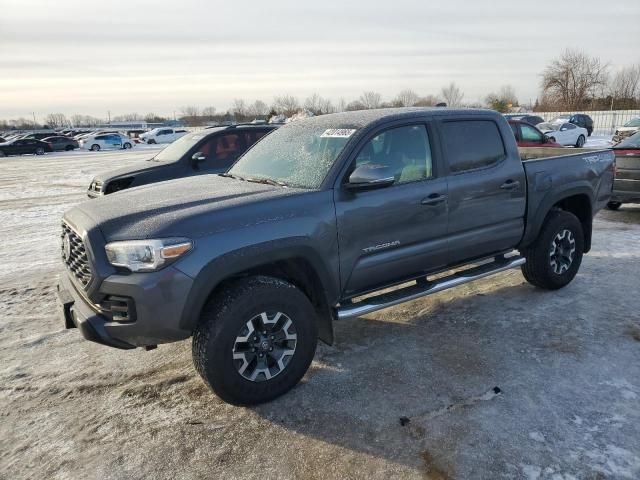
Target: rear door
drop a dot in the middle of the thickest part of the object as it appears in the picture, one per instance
(486, 189)
(399, 231)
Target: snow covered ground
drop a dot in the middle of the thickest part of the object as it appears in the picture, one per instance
(492, 380)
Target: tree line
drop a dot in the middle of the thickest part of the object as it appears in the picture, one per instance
(574, 81)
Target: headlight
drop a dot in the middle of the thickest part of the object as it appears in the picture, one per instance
(147, 255)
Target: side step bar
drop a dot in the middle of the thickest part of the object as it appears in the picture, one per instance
(425, 287)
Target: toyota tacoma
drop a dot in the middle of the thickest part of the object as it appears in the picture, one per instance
(326, 218)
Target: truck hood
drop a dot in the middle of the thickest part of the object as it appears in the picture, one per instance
(130, 171)
(187, 207)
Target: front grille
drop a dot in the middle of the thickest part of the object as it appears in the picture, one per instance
(74, 255)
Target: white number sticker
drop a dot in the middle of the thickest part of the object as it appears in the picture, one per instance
(338, 133)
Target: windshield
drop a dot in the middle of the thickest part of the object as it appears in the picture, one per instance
(176, 150)
(630, 142)
(298, 155)
(633, 123)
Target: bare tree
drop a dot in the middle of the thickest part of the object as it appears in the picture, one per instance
(428, 101)
(406, 98)
(239, 107)
(624, 88)
(189, 111)
(318, 105)
(208, 111)
(153, 118)
(56, 120)
(286, 104)
(370, 100)
(258, 109)
(341, 106)
(572, 79)
(504, 100)
(452, 95)
(355, 105)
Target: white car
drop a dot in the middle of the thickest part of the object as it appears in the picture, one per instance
(628, 129)
(566, 134)
(106, 141)
(162, 135)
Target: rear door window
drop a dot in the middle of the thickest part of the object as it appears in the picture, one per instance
(472, 144)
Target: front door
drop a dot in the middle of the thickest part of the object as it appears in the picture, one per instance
(396, 232)
(486, 190)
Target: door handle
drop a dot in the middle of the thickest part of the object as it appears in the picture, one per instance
(433, 199)
(510, 185)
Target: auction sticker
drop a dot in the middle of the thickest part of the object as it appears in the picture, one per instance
(338, 133)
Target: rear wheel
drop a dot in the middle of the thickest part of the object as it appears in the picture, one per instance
(95, 147)
(552, 139)
(39, 151)
(151, 141)
(614, 205)
(126, 146)
(68, 148)
(553, 260)
(580, 141)
(2, 154)
(255, 340)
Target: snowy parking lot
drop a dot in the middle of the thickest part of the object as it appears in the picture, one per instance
(494, 379)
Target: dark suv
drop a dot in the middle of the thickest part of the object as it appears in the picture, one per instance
(213, 150)
(579, 119)
(530, 119)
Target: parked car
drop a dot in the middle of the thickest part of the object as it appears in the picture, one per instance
(106, 141)
(529, 136)
(210, 151)
(530, 119)
(578, 119)
(254, 264)
(21, 146)
(626, 188)
(38, 135)
(62, 143)
(628, 129)
(2, 140)
(566, 134)
(162, 135)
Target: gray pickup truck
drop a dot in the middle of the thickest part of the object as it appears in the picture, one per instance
(326, 218)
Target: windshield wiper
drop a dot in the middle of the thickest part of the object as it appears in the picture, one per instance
(267, 181)
(231, 175)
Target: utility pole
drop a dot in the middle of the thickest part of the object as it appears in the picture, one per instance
(34, 119)
(109, 116)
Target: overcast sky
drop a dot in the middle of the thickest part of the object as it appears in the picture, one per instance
(154, 56)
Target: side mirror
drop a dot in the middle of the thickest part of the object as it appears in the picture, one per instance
(370, 176)
(198, 157)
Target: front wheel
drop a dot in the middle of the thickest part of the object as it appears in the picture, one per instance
(255, 340)
(2, 154)
(580, 141)
(151, 141)
(553, 260)
(614, 205)
(39, 151)
(552, 139)
(126, 146)
(68, 148)
(95, 148)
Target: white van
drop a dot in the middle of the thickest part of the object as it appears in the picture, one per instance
(162, 135)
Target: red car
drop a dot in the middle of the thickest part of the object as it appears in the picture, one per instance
(529, 136)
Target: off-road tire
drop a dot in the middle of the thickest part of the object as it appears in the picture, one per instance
(614, 205)
(224, 316)
(538, 269)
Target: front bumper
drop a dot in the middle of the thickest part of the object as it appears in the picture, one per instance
(159, 299)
